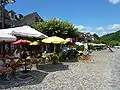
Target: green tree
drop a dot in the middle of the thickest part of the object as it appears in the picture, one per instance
(56, 27)
(96, 37)
(114, 43)
(97, 41)
(111, 37)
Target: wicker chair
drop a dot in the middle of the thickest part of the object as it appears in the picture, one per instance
(6, 73)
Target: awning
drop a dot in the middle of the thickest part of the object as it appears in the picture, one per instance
(79, 43)
(96, 44)
(6, 37)
(24, 31)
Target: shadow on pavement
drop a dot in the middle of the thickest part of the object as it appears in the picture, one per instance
(52, 67)
(23, 79)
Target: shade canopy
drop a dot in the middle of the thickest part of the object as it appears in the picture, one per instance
(96, 44)
(70, 43)
(55, 40)
(35, 43)
(79, 43)
(6, 37)
(25, 31)
(21, 42)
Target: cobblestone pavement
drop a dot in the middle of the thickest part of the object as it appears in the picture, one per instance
(102, 74)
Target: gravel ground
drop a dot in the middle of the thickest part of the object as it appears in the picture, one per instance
(102, 74)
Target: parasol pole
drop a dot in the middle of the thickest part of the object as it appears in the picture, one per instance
(54, 47)
(46, 48)
(60, 46)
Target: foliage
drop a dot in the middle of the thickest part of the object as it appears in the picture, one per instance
(111, 39)
(96, 37)
(90, 47)
(56, 27)
(100, 41)
(67, 55)
(54, 58)
(113, 36)
(62, 56)
(79, 48)
(114, 43)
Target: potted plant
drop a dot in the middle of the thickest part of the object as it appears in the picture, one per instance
(54, 58)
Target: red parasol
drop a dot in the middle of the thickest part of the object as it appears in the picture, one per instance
(21, 42)
(70, 43)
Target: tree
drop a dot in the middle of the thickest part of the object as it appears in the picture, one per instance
(96, 37)
(56, 27)
(111, 37)
(114, 43)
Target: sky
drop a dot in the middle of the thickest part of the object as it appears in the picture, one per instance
(95, 16)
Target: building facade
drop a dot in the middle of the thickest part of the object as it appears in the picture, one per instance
(11, 19)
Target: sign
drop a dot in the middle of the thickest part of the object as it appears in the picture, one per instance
(4, 2)
(11, 1)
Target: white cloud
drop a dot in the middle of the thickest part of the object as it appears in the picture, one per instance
(104, 32)
(114, 1)
(100, 28)
(92, 32)
(113, 27)
(82, 28)
(107, 29)
(85, 29)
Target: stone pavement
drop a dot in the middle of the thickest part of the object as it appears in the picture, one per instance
(102, 74)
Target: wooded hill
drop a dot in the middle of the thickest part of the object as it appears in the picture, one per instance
(112, 38)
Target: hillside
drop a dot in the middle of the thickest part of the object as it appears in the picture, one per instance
(112, 36)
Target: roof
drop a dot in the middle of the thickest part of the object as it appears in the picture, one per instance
(31, 19)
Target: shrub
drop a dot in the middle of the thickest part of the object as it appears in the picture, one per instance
(79, 48)
(54, 58)
(90, 47)
(62, 56)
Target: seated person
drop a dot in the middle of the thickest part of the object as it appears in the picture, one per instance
(16, 54)
(24, 54)
(3, 67)
(7, 60)
(44, 54)
(2, 64)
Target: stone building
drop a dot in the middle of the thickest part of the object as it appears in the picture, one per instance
(11, 19)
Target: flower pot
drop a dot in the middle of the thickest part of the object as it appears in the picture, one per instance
(54, 61)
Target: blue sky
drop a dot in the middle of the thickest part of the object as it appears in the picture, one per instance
(95, 16)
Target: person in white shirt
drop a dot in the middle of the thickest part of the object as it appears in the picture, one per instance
(2, 64)
(16, 54)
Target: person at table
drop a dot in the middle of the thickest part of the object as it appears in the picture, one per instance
(2, 64)
(7, 60)
(3, 68)
(16, 54)
(24, 56)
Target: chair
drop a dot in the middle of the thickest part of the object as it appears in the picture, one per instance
(29, 63)
(85, 57)
(16, 64)
(6, 73)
